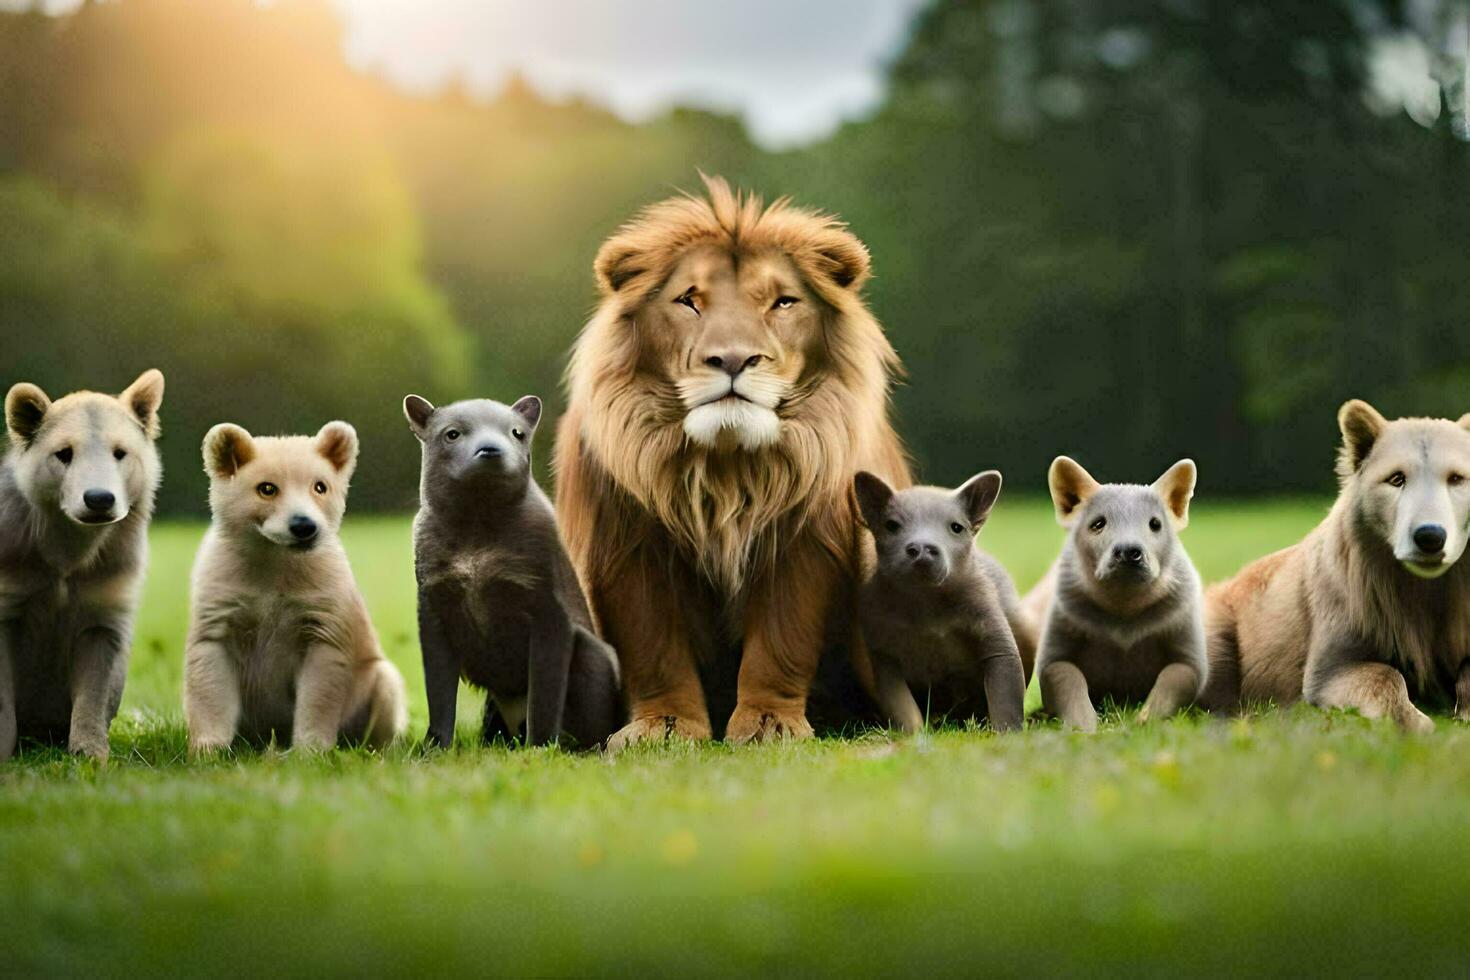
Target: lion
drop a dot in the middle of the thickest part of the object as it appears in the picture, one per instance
(720, 400)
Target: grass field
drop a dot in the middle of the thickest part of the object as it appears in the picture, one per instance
(1282, 842)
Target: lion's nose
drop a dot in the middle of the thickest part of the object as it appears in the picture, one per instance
(732, 362)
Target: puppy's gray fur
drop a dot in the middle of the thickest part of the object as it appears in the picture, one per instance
(938, 614)
(499, 601)
(1124, 612)
(76, 495)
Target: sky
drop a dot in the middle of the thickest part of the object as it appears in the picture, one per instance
(792, 70)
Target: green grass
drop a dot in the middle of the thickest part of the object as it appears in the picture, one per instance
(1282, 842)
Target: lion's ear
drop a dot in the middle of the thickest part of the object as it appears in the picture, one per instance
(618, 262)
(843, 258)
(1361, 425)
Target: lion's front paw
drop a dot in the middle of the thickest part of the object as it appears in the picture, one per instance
(656, 728)
(751, 724)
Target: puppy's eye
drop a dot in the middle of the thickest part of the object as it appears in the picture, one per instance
(686, 298)
(1397, 480)
(892, 525)
(785, 303)
(119, 454)
(267, 489)
(451, 434)
(1097, 525)
(518, 434)
(1456, 479)
(319, 487)
(64, 455)
(957, 527)
(1155, 525)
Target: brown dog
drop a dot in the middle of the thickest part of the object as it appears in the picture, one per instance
(729, 386)
(1372, 598)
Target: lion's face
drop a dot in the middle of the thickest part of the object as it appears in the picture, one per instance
(733, 337)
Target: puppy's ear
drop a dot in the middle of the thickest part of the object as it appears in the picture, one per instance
(1070, 487)
(227, 447)
(337, 442)
(25, 410)
(872, 496)
(528, 408)
(1175, 488)
(978, 494)
(419, 411)
(143, 398)
(1465, 421)
(1361, 426)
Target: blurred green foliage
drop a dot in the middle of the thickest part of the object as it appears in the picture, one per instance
(1128, 231)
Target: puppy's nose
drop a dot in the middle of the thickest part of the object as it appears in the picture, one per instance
(1429, 538)
(922, 550)
(99, 501)
(488, 451)
(732, 362)
(1128, 554)
(302, 528)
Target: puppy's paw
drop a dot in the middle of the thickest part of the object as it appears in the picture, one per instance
(1416, 722)
(753, 724)
(91, 746)
(656, 728)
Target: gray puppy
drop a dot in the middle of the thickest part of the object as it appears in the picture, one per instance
(1125, 617)
(937, 613)
(499, 602)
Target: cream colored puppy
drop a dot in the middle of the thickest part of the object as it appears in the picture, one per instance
(280, 642)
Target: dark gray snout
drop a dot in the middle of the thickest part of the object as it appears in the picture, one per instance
(1128, 554)
(1428, 538)
(922, 550)
(302, 528)
(101, 501)
(488, 451)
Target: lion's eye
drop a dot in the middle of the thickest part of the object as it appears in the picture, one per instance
(1155, 525)
(267, 489)
(957, 527)
(119, 454)
(1397, 480)
(892, 525)
(64, 455)
(319, 487)
(687, 299)
(1097, 525)
(785, 303)
(518, 434)
(451, 434)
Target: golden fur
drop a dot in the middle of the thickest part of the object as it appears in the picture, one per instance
(1338, 618)
(733, 510)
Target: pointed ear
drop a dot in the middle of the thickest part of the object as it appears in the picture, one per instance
(419, 411)
(978, 494)
(1070, 486)
(143, 398)
(227, 447)
(528, 408)
(872, 496)
(1361, 426)
(1175, 488)
(25, 410)
(337, 442)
